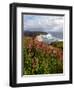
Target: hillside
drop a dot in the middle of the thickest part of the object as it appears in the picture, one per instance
(33, 33)
(42, 58)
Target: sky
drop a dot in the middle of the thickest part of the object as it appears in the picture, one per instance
(46, 23)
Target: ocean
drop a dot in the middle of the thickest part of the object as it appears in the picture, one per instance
(57, 34)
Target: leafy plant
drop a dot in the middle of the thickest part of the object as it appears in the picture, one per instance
(39, 58)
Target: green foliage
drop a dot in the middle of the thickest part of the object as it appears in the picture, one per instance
(58, 44)
(37, 62)
(40, 58)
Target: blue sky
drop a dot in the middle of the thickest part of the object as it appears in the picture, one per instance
(44, 23)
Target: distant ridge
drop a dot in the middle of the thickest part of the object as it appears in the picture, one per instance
(34, 33)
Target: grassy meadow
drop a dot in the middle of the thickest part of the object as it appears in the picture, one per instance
(42, 58)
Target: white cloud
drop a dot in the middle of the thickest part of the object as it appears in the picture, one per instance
(46, 23)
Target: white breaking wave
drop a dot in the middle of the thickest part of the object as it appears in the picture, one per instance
(48, 38)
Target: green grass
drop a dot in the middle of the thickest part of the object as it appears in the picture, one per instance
(38, 62)
(41, 63)
(58, 44)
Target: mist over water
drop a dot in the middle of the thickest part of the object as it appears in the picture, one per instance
(47, 38)
(58, 34)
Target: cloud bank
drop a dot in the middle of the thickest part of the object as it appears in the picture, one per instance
(43, 23)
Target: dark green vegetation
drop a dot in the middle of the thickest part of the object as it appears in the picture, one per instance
(33, 33)
(40, 58)
(58, 44)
